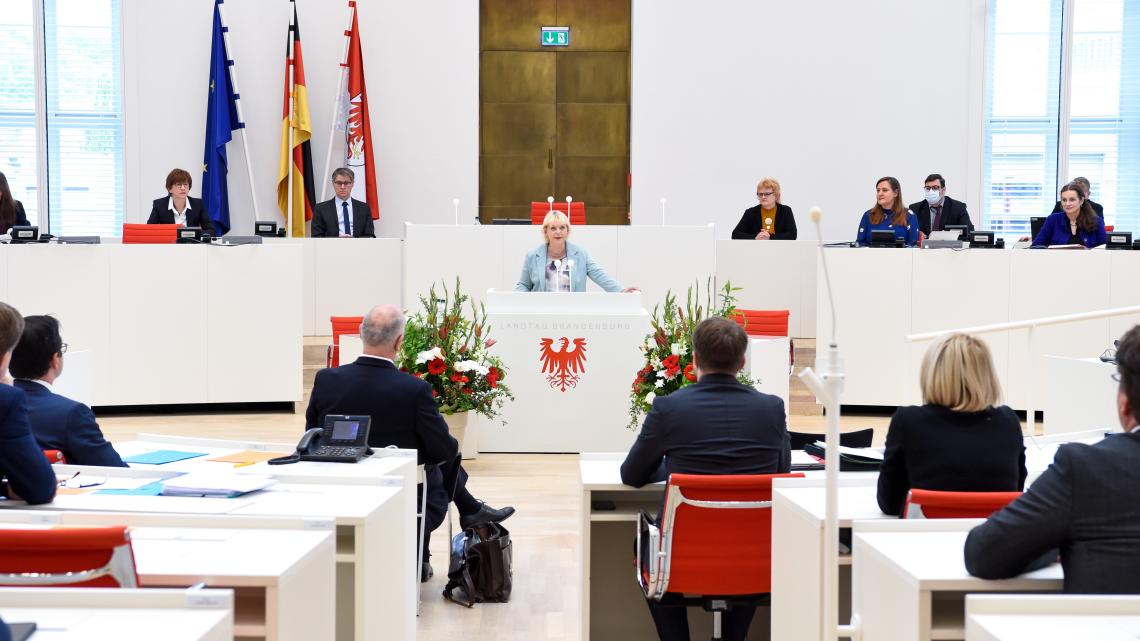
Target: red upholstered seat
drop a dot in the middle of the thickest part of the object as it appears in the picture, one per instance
(762, 322)
(341, 325)
(54, 456)
(934, 504)
(135, 234)
(539, 210)
(88, 557)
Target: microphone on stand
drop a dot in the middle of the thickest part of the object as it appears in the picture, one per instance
(550, 201)
(455, 205)
(662, 211)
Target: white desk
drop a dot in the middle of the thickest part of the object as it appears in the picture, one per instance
(1052, 617)
(100, 614)
(372, 547)
(909, 578)
(228, 331)
(1079, 395)
(774, 275)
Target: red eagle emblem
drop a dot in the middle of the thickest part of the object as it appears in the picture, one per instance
(560, 366)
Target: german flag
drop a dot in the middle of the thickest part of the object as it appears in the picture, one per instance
(295, 191)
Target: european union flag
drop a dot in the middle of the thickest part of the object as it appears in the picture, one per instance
(222, 118)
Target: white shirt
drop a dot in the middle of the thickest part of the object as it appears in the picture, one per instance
(179, 218)
(41, 382)
(382, 358)
(340, 214)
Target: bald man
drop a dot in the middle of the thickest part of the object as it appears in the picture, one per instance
(403, 414)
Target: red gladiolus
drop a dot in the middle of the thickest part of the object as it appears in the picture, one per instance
(490, 343)
(689, 375)
(493, 377)
(466, 390)
(436, 366)
(462, 349)
(443, 333)
(660, 338)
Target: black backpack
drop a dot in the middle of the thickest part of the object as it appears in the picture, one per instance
(480, 565)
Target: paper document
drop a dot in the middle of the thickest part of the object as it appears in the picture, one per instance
(863, 452)
(215, 484)
(802, 458)
(159, 457)
(1067, 247)
(247, 456)
(951, 234)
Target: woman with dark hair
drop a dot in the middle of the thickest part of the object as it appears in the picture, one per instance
(11, 210)
(889, 212)
(1075, 224)
(178, 207)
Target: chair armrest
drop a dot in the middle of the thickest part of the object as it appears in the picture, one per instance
(648, 550)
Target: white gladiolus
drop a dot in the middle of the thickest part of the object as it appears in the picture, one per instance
(472, 366)
(660, 383)
(677, 349)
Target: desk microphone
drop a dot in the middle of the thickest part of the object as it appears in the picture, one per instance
(816, 216)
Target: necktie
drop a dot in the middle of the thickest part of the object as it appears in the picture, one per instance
(347, 222)
(937, 226)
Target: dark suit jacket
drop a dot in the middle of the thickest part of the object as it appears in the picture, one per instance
(953, 213)
(1087, 504)
(716, 426)
(935, 448)
(403, 411)
(325, 218)
(750, 224)
(60, 423)
(1097, 207)
(196, 216)
(21, 218)
(21, 458)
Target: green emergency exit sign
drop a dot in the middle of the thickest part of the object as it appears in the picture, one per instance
(555, 37)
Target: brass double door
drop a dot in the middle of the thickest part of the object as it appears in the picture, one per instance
(554, 121)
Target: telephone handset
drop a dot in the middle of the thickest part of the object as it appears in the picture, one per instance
(343, 439)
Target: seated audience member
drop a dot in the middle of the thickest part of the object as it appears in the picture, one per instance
(11, 210)
(22, 461)
(403, 414)
(1098, 209)
(888, 213)
(558, 266)
(58, 422)
(1086, 504)
(343, 216)
(960, 439)
(771, 219)
(716, 426)
(938, 210)
(178, 208)
(1075, 224)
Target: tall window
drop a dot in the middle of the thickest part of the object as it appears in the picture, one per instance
(78, 127)
(1034, 140)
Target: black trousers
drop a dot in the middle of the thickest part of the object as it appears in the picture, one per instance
(673, 622)
(437, 500)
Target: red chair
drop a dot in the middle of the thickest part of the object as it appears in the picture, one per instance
(933, 504)
(1108, 228)
(713, 544)
(87, 557)
(341, 325)
(762, 322)
(539, 210)
(135, 234)
(54, 456)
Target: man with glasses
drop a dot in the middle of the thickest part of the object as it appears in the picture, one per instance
(1086, 505)
(343, 216)
(58, 423)
(937, 210)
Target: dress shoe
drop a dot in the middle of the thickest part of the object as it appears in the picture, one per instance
(485, 514)
(426, 572)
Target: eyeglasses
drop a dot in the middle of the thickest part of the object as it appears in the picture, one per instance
(63, 348)
(342, 183)
(765, 194)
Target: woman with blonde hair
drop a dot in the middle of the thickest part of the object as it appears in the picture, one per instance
(771, 219)
(558, 266)
(960, 439)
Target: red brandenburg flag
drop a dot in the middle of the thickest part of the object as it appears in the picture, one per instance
(295, 191)
(357, 128)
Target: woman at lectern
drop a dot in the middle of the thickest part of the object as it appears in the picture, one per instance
(770, 220)
(889, 212)
(1075, 224)
(960, 439)
(177, 207)
(11, 210)
(558, 266)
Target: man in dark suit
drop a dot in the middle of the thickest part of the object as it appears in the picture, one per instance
(404, 414)
(1098, 208)
(29, 474)
(58, 422)
(178, 207)
(937, 210)
(1087, 505)
(343, 216)
(716, 426)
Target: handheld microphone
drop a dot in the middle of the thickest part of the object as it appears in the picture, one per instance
(767, 222)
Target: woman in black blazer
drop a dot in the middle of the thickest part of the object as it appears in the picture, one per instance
(959, 439)
(768, 220)
(168, 209)
(11, 210)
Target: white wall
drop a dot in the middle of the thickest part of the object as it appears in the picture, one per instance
(826, 96)
(421, 63)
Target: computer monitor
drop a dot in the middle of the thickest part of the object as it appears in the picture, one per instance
(265, 228)
(189, 234)
(884, 238)
(1118, 240)
(24, 233)
(1035, 224)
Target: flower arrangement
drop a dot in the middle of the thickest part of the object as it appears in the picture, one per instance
(451, 352)
(668, 349)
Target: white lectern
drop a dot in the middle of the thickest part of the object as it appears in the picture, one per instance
(571, 359)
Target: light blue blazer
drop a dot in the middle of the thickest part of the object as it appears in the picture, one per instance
(533, 277)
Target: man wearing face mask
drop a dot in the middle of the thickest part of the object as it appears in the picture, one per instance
(937, 210)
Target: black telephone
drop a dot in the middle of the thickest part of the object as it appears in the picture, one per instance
(343, 439)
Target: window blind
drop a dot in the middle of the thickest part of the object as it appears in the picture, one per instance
(18, 103)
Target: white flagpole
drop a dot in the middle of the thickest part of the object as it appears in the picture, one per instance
(292, 115)
(336, 104)
(231, 69)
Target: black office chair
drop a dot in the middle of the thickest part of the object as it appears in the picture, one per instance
(858, 438)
